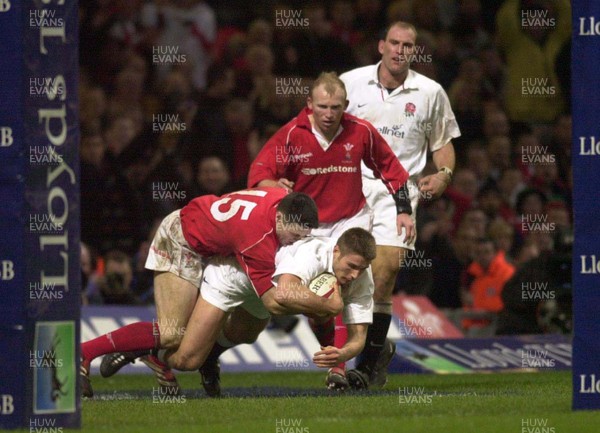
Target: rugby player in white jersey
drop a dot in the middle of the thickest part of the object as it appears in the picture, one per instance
(320, 153)
(413, 114)
(227, 287)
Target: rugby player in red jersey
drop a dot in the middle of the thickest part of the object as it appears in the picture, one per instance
(249, 224)
(319, 153)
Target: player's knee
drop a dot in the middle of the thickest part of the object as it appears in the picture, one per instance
(384, 294)
(384, 286)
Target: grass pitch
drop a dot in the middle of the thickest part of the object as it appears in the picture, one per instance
(290, 402)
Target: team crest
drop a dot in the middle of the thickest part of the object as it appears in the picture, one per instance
(348, 147)
(409, 109)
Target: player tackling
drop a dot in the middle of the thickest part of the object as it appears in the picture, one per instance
(250, 225)
(226, 287)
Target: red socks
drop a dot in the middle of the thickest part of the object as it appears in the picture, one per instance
(323, 331)
(137, 336)
(341, 336)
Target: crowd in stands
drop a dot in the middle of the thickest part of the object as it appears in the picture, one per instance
(178, 96)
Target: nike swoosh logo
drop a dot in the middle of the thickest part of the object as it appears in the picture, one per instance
(361, 105)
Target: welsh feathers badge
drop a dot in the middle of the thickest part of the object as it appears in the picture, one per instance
(348, 147)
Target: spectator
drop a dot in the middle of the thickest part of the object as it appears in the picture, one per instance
(490, 201)
(212, 177)
(450, 257)
(531, 51)
(187, 28)
(510, 185)
(499, 150)
(208, 131)
(333, 54)
(342, 23)
(495, 122)
(462, 192)
(88, 271)
(477, 160)
(243, 137)
(486, 277)
(112, 222)
(468, 28)
(503, 235)
(115, 286)
(477, 220)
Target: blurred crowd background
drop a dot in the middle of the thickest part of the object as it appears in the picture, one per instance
(178, 96)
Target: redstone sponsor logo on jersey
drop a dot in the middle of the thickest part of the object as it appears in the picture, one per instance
(327, 170)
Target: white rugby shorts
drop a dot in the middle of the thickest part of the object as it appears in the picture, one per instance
(363, 219)
(383, 207)
(226, 286)
(170, 252)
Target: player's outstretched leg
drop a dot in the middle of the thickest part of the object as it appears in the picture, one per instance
(141, 335)
(336, 377)
(175, 299)
(373, 361)
(242, 326)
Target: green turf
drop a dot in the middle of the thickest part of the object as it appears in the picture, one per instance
(503, 403)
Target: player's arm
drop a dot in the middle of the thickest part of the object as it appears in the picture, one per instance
(290, 296)
(435, 184)
(268, 167)
(381, 159)
(330, 356)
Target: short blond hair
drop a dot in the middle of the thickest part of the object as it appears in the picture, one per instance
(330, 81)
(402, 24)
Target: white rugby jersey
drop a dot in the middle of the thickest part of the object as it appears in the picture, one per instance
(312, 256)
(414, 117)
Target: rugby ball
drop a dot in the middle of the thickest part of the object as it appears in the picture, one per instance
(323, 284)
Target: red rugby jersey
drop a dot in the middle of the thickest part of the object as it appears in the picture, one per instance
(240, 223)
(331, 177)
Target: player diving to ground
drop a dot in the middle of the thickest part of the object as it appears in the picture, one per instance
(227, 287)
(251, 225)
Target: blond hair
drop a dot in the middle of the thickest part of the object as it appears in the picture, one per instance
(330, 81)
